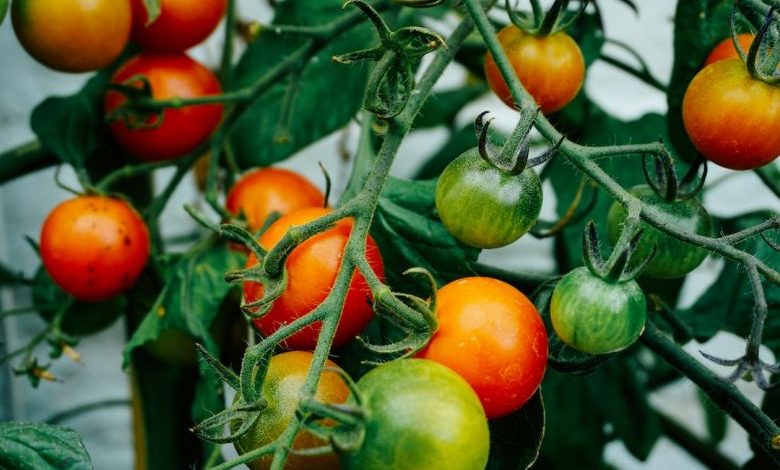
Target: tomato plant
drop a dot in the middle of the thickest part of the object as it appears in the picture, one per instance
(72, 35)
(672, 258)
(180, 25)
(492, 335)
(311, 269)
(94, 247)
(282, 390)
(551, 68)
(177, 131)
(265, 191)
(741, 135)
(420, 415)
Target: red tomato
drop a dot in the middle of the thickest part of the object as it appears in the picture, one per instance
(725, 49)
(732, 118)
(181, 24)
(94, 247)
(311, 269)
(182, 129)
(492, 335)
(264, 191)
(551, 68)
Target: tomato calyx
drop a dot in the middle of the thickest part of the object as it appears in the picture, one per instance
(616, 269)
(411, 314)
(663, 179)
(763, 57)
(346, 429)
(512, 157)
(391, 82)
(137, 91)
(541, 24)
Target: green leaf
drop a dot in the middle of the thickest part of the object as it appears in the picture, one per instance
(81, 318)
(728, 303)
(32, 446)
(410, 235)
(71, 126)
(442, 107)
(516, 439)
(328, 95)
(698, 26)
(153, 8)
(3, 10)
(715, 419)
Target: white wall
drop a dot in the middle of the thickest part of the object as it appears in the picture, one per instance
(25, 202)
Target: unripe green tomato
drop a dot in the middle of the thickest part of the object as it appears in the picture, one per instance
(596, 316)
(486, 207)
(420, 415)
(673, 258)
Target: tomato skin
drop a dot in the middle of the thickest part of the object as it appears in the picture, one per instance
(597, 316)
(725, 49)
(264, 191)
(551, 68)
(181, 24)
(731, 118)
(420, 416)
(182, 129)
(283, 383)
(493, 337)
(673, 258)
(484, 206)
(311, 269)
(94, 247)
(72, 35)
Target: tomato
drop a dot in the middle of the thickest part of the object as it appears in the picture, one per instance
(311, 269)
(72, 35)
(732, 118)
(492, 335)
(183, 129)
(420, 415)
(94, 247)
(282, 389)
(264, 191)
(181, 24)
(597, 316)
(673, 258)
(551, 68)
(725, 49)
(484, 206)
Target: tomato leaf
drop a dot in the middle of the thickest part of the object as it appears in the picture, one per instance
(442, 107)
(32, 446)
(328, 94)
(516, 439)
(410, 235)
(153, 9)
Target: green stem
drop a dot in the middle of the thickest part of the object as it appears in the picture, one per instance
(226, 66)
(25, 159)
(758, 425)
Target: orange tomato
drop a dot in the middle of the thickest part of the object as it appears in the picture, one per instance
(311, 269)
(72, 35)
(182, 129)
(94, 247)
(551, 68)
(181, 24)
(492, 335)
(725, 49)
(264, 191)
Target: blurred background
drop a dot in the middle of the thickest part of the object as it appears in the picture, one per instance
(107, 431)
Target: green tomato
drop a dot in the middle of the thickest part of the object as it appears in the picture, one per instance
(673, 258)
(596, 316)
(484, 206)
(420, 415)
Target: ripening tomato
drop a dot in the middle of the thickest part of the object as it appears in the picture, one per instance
(94, 247)
(264, 191)
(181, 24)
(725, 49)
(282, 389)
(72, 35)
(182, 129)
(419, 415)
(732, 118)
(311, 269)
(551, 68)
(492, 335)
